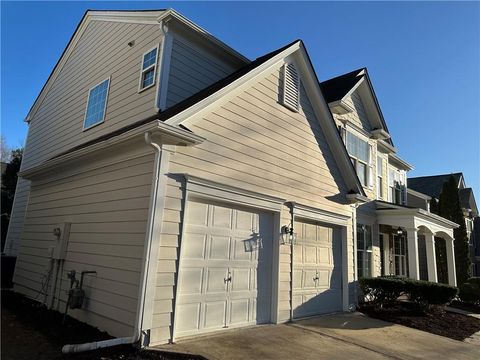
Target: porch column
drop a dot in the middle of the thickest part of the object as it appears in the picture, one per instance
(431, 257)
(412, 243)
(452, 275)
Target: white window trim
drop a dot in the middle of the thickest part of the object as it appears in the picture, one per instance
(367, 164)
(380, 193)
(104, 108)
(142, 70)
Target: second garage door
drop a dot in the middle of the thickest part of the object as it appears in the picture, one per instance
(225, 267)
(317, 274)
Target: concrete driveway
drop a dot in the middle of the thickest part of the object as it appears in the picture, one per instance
(339, 336)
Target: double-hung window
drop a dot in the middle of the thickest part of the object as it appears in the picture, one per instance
(96, 104)
(149, 69)
(359, 152)
(364, 251)
(379, 177)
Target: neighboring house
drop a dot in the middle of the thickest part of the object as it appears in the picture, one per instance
(431, 187)
(393, 238)
(206, 190)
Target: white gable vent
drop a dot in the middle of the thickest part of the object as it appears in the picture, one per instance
(291, 87)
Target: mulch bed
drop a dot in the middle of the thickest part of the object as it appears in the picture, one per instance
(472, 308)
(437, 321)
(40, 325)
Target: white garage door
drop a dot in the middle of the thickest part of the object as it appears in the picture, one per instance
(225, 267)
(317, 274)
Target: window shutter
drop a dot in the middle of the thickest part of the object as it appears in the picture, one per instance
(370, 166)
(291, 87)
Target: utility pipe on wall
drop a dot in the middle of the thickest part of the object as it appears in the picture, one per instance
(137, 332)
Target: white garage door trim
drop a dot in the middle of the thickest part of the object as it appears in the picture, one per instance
(207, 190)
(339, 221)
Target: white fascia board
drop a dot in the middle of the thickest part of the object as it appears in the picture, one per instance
(419, 213)
(418, 194)
(383, 144)
(171, 13)
(355, 87)
(405, 166)
(153, 127)
(228, 92)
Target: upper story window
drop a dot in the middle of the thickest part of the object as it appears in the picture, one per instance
(379, 177)
(396, 187)
(149, 68)
(96, 104)
(360, 153)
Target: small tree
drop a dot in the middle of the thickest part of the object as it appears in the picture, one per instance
(449, 208)
(9, 184)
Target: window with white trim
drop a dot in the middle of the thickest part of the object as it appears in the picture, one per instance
(364, 251)
(360, 153)
(149, 69)
(379, 177)
(291, 87)
(96, 104)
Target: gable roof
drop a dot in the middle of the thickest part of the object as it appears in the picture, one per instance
(431, 185)
(337, 88)
(152, 16)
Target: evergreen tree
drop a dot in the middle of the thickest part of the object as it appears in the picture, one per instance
(9, 184)
(449, 208)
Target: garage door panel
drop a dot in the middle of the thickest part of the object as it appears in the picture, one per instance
(219, 248)
(214, 314)
(215, 280)
(241, 279)
(240, 311)
(198, 213)
(188, 318)
(196, 248)
(221, 217)
(192, 280)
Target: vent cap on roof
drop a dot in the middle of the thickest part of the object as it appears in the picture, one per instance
(291, 87)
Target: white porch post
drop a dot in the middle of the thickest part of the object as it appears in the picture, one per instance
(452, 275)
(412, 243)
(431, 257)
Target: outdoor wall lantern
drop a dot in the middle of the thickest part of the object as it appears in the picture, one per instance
(288, 235)
(399, 231)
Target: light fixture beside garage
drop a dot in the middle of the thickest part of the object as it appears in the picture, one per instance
(288, 235)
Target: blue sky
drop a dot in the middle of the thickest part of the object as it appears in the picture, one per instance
(423, 58)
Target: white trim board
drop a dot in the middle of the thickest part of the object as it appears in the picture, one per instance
(203, 188)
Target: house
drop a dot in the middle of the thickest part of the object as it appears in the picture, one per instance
(431, 187)
(393, 238)
(206, 191)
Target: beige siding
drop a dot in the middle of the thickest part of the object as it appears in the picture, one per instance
(192, 70)
(256, 144)
(101, 52)
(15, 225)
(107, 203)
(359, 116)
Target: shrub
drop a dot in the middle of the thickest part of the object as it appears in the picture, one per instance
(470, 291)
(385, 290)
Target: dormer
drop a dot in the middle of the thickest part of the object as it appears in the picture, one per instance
(353, 102)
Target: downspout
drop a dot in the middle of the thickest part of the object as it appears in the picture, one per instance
(137, 332)
(354, 238)
(291, 263)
